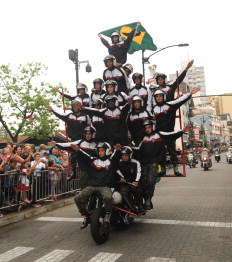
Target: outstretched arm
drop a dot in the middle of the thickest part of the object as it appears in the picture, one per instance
(104, 42)
(170, 136)
(70, 97)
(183, 99)
(62, 116)
(181, 77)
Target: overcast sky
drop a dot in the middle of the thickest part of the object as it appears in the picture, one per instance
(44, 31)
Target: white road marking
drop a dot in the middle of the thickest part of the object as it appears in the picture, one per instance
(105, 257)
(149, 221)
(55, 256)
(160, 259)
(13, 253)
(60, 219)
(185, 223)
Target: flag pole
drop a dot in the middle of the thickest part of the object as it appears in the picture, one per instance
(143, 67)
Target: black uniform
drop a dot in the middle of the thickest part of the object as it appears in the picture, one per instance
(131, 172)
(117, 74)
(168, 89)
(122, 97)
(151, 152)
(100, 177)
(135, 124)
(141, 91)
(119, 50)
(114, 123)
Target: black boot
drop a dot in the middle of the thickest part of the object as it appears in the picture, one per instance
(176, 171)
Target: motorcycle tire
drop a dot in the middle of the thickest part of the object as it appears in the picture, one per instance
(205, 168)
(99, 233)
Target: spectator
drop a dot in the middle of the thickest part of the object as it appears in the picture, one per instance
(45, 158)
(23, 184)
(17, 155)
(53, 177)
(42, 149)
(10, 181)
(27, 154)
(37, 180)
(6, 155)
(54, 154)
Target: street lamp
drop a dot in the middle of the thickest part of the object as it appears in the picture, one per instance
(145, 60)
(73, 56)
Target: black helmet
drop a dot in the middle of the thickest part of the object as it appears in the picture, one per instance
(127, 150)
(98, 102)
(147, 122)
(90, 129)
(112, 82)
(98, 80)
(137, 75)
(129, 66)
(161, 75)
(109, 57)
(106, 146)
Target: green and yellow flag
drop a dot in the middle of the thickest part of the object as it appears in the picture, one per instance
(141, 41)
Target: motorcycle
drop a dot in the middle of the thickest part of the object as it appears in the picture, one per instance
(229, 158)
(206, 162)
(217, 157)
(191, 161)
(123, 212)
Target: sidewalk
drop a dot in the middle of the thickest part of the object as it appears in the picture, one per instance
(32, 211)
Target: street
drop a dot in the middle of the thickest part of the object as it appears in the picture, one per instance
(191, 221)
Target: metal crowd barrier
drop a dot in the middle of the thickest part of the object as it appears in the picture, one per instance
(40, 187)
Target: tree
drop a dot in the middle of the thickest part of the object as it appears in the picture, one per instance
(22, 102)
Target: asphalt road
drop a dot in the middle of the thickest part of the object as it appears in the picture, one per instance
(191, 221)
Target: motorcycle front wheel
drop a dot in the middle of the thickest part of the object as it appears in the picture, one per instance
(100, 234)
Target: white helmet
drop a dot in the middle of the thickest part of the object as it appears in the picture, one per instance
(77, 100)
(117, 198)
(82, 86)
(115, 33)
(112, 97)
(127, 150)
(160, 92)
(138, 98)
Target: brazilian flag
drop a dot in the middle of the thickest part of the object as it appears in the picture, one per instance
(141, 41)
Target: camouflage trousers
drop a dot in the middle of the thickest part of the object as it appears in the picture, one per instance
(148, 180)
(82, 198)
(83, 176)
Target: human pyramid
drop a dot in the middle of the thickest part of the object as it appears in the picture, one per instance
(122, 131)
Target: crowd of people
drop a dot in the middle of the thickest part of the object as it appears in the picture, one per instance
(21, 171)
(122, 130)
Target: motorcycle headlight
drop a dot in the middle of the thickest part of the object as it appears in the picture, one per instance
(204, 158)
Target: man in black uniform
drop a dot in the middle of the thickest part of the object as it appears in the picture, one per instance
(81, 93)
(151, 152)
(76, 122)
(119, 48)
(88, 145)
(114, 119)
(98, 90)
(101, 171)
(135, 120)
(129, 171)
(165, 115)
(116, 73)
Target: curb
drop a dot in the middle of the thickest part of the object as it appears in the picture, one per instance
(31, 212)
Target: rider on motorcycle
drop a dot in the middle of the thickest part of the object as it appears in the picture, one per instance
(129, 171)
(101, 169)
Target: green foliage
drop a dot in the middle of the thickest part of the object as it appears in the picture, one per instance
(23, 99)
